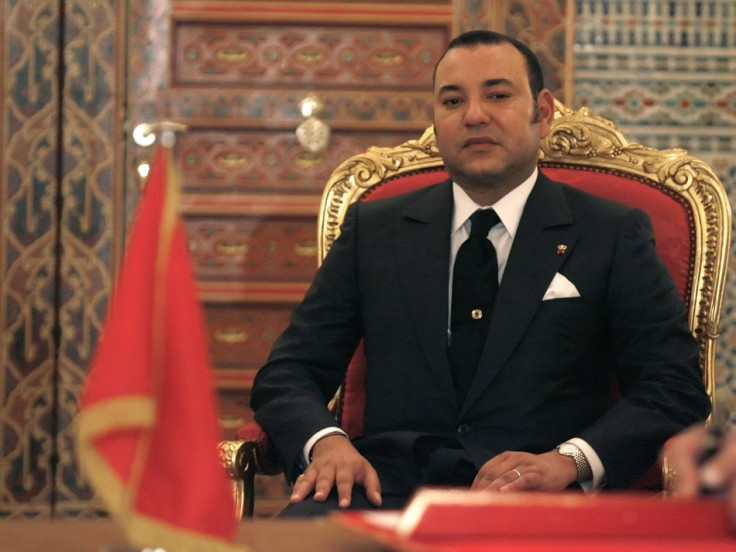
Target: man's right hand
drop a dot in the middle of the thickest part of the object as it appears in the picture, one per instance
(336, 462)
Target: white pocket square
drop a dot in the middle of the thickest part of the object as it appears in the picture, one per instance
(560, 288)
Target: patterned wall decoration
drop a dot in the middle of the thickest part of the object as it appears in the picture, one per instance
(477, 14)
(90, 183)
(544, 26)
(60, 196)
(28, 240)
(345, 56)
(665, 72)
(267, 163)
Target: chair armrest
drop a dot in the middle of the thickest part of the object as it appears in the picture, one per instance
(242, 459)
(261, 456)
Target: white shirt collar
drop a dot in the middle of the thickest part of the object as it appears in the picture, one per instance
(508, 208)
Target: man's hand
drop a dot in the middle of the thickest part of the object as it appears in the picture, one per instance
(336, 462)
(522, 471)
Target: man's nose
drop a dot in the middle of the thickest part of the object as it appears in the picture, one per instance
(476, 113)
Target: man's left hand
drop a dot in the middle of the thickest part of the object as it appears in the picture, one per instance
(521, 471)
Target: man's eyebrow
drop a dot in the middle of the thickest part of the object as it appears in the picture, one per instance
(495, 82)
(486, 84)
(448, 88)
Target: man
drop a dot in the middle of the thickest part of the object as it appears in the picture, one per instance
(583, 300)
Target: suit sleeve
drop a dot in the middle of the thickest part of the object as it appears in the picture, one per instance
(308, 361)
(655, 356)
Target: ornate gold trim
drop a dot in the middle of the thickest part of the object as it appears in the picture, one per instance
(362, 172)
(228, 454)
(231, 454)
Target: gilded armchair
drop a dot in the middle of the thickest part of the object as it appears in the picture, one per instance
(683, 196)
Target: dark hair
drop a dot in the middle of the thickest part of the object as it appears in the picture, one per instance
(474, 38)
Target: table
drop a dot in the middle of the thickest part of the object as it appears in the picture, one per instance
(446, 520)
(319, 535)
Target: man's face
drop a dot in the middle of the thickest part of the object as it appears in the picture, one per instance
(485, 116)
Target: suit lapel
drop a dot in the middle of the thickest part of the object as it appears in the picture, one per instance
(422, 247)
(546, 222)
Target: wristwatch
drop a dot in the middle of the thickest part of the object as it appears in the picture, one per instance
(581, 463)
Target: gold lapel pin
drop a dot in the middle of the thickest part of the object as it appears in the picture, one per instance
(561, 249)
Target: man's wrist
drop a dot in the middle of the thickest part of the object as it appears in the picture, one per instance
(584, 472)
(323, 437)
(326, 432)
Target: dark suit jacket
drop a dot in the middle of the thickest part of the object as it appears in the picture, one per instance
(548, 368)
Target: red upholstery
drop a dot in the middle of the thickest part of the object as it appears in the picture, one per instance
(404, 184)
(265, 456)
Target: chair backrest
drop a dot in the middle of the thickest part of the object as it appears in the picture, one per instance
(682, 195)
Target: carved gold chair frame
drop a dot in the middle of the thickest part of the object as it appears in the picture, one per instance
(577, 139)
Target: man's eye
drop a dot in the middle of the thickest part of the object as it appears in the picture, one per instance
(451, 101)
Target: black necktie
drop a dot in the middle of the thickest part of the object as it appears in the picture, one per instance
(474, 289)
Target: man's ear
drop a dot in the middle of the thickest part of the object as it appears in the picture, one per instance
(546, 107)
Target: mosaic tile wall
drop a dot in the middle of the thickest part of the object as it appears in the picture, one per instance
(665, 72)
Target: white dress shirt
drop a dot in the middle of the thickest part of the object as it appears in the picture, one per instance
(509, 209)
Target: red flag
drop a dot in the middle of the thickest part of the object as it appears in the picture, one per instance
(148, 429)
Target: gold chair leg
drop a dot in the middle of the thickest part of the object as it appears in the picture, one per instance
(235, 463)
(247, 465)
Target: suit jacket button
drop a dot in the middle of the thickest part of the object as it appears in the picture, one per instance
(463, 429)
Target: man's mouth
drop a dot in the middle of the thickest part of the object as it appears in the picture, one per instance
(480, 141)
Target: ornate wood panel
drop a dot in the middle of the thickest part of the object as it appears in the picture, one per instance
(237, 77)
(265, 161)
(61, 176)
(29, 238)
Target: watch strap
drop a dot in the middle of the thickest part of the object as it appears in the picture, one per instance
(585, 473)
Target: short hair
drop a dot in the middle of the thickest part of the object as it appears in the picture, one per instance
(474, 38)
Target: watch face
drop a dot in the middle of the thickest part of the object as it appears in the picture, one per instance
(567, 449)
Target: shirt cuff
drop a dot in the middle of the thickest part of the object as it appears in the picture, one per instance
(596, 466)
(307, 450)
